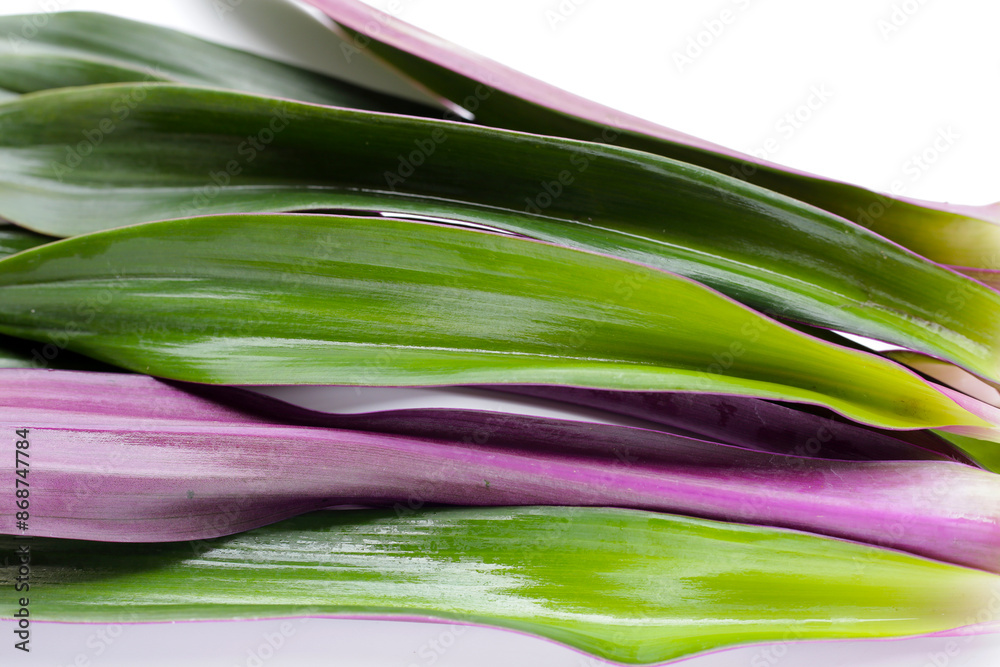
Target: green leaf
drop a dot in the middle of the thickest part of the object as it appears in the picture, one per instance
(81, 159)
(630, 586)
(313, 299)
(85, 48)
(502, 97)
(948, 374)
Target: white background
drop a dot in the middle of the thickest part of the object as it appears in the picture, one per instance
(893, 74)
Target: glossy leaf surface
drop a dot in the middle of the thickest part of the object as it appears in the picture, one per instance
(630, 586)
(306, 299)
(502, 97)
(86, 48)
(182, 151)
(127, 458)
(758, 424)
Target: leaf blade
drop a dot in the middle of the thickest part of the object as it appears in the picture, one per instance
(610, 582)
(182, 152)
(148, 462)
(88, 48)
(502, 97)
(313, 298)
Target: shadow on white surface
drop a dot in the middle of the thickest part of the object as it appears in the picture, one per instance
(356, 643)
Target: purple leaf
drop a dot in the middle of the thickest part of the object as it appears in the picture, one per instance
(129, 458)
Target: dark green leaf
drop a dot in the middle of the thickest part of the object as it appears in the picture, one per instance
(92, 158)
(85, 48)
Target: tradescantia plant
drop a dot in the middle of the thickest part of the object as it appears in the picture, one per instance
(78, 48)
(222, 152)
(620, 279)
(316, 299)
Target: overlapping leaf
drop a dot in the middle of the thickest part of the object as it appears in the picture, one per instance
(625, 585)
(180, 151)
(758, 424)
(126, 458)
(984, 452)
(501, 97)
(85, 48)
(306, 299)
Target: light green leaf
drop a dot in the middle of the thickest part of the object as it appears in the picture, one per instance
(630, 586)
(313, 299)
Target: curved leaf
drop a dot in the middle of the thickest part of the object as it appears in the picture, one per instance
(86, 48)
(774, 429)
(173, 151)
(757, 424)
(625, 585)
(502, 97)
(949, 374)
(116, 470)
(305, 299)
